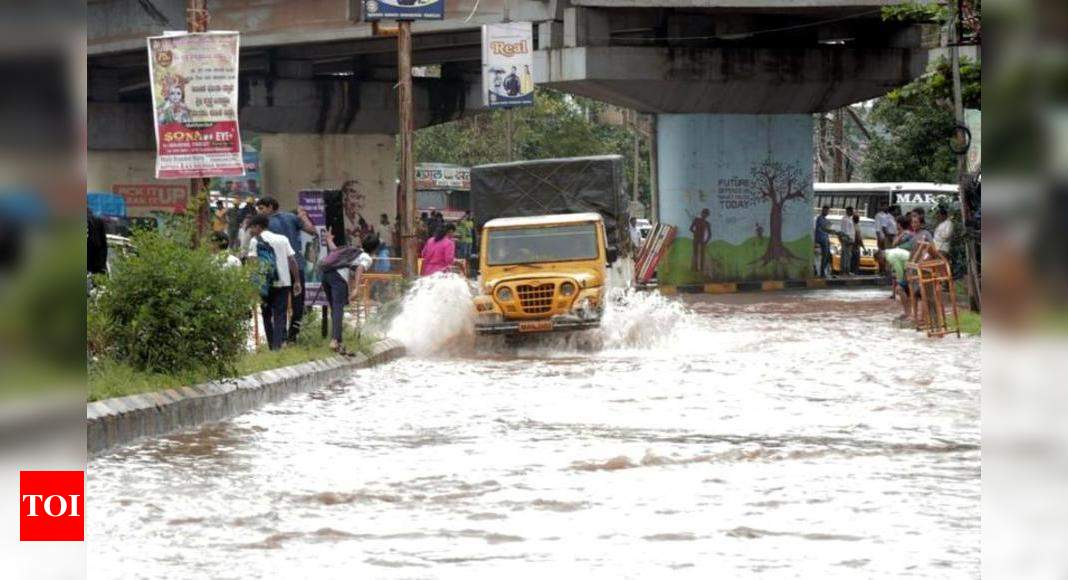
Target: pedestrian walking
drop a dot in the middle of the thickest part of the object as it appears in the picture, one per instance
(858, 245)
(341, 271)
(221, 244)
(439, 252)
(465, 229)
(289, 225)
(847, 233)
(822, 236)
(278, 264)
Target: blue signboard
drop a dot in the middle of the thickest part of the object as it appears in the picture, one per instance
(403, 10)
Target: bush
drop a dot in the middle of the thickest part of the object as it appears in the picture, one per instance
(169, 308)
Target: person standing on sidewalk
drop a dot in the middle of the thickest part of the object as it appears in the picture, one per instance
(341, 271)
(289, 225)
(464, 236)
(823, 239)
(278, 259)
(847, 237)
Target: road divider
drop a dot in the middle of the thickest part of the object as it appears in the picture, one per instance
(115, 422)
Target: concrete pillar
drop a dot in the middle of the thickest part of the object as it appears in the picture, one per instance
(290, 163)
(744, 184)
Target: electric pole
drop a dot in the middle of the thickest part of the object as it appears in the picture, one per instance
(972, 278)
(405, 130)
(196, 20)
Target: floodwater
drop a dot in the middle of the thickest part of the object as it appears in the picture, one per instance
(774, 435)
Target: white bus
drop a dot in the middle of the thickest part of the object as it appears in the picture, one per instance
(866, 198)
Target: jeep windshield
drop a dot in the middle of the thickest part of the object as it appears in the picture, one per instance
(542, 244)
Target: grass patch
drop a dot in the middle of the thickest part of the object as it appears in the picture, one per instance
(971, 322)
(109, 379)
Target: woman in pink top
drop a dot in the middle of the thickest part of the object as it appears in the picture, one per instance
(439, 251)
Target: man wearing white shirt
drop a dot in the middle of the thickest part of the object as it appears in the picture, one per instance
(274, 304)
(943, 234)
(885, 232)
(847, 238)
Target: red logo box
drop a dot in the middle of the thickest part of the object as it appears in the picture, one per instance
(52, 506)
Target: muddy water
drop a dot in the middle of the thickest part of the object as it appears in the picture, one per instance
(793, 435)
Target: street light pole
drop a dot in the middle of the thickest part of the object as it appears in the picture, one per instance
(405, 130)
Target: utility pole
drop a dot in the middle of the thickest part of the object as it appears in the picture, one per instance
(972, 279)
(196, 20)
(839, 147)
(405, 130)
(654, 195)
(637, 154)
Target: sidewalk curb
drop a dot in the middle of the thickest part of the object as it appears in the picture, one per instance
(772, 285)
(113, 422)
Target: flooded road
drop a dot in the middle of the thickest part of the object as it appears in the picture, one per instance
(791, 435)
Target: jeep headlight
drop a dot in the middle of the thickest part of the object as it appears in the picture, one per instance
(504, 294)
(567, 289)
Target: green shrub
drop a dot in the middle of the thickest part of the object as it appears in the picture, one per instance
(170, 308)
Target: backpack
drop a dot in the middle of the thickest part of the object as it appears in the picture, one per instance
(341, 257)
(267, 273)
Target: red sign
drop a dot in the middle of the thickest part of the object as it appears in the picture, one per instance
(147, 197)
(52, 506)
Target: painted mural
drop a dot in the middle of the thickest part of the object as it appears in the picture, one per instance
(739, 188)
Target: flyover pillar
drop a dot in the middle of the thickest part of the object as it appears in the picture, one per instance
(739, 190)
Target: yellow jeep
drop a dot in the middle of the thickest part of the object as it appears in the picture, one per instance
(542, 274)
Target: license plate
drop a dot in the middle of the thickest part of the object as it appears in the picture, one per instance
(536, 326)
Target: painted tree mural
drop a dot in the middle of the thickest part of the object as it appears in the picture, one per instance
(778, 184)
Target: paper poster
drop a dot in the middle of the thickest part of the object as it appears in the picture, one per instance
(507, 64)
(242, 186)
(193, 80)
(403, 10)
(313, 247)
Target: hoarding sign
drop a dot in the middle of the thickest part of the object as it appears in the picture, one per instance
(144, 198)
(314, 247)
(403, 10)
(429, 176)
(193, 80)
(507, 64)
(242, 186)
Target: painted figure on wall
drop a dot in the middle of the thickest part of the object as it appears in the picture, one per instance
(702, 233)
(353, 202)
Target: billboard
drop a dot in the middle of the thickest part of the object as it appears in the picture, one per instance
(143, 199)
(442, 176)
(242, 186)
(507, 64)
(403, 10)
(313, 247)
(193, 80)
(739, 190)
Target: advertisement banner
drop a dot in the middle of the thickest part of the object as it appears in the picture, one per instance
(242, 186)
(142, 199)
(507, 64)
(403, 10)
(441, 176)
(314, 247)
(194, 101)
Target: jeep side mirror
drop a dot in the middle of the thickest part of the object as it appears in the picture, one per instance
(612, 253)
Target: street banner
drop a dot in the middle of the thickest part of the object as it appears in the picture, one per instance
(314, 247)
(442, 176)
(403, 10)
(193, 80)
(241, 187)
(507, 64)
(144, 199)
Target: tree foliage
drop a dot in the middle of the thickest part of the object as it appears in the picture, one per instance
(558, 125)
(914, 125)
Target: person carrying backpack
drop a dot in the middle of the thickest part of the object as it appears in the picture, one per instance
(277, 264)
(340, 272)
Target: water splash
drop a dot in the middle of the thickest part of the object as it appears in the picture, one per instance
(436, 313)
(642, 320)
